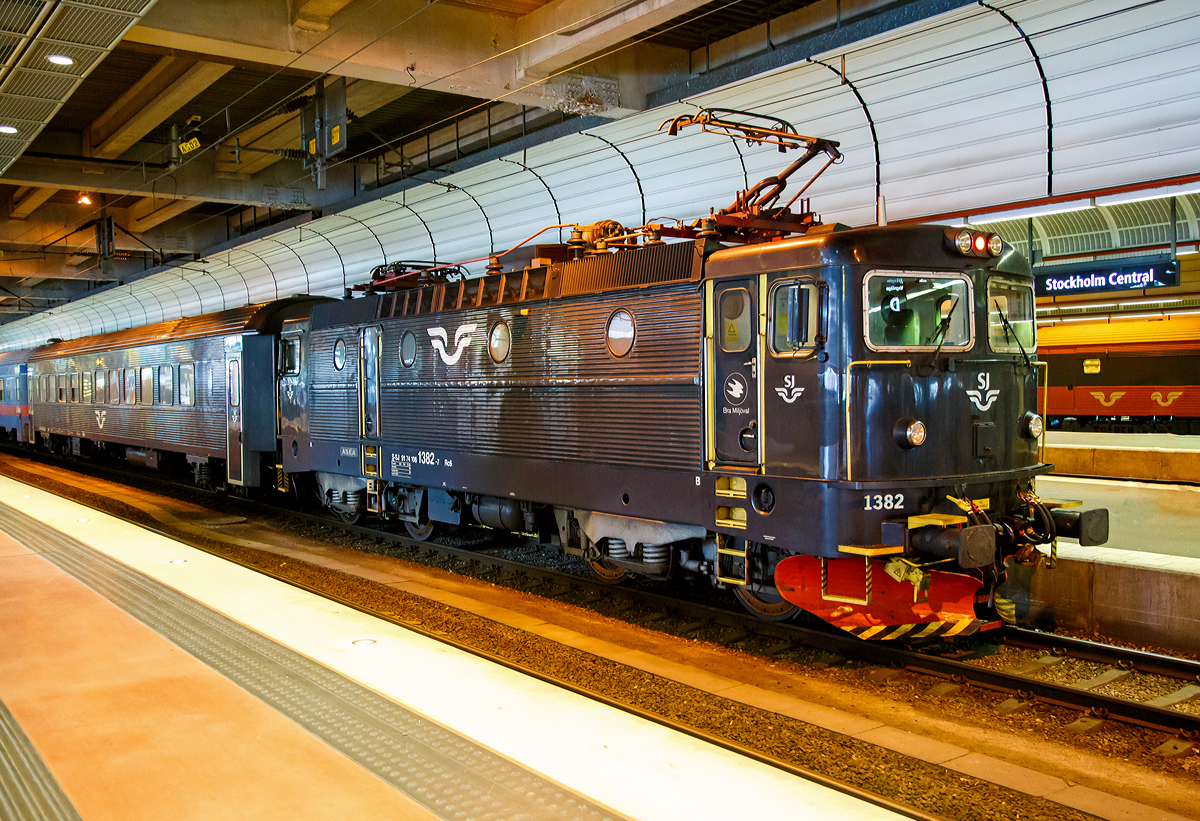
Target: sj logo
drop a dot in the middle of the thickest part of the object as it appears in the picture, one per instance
(985, 396)
(462, 339)
(101, 415)
(1171, 397)
(789, 392)
(1112, 398)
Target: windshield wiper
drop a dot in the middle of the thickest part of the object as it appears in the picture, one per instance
(940, 333)
(1008, 328)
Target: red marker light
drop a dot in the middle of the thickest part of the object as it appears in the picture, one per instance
(980, 243)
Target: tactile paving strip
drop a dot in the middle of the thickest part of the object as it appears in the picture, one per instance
(448, 774)
(27, 789)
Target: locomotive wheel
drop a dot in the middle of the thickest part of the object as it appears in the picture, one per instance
(422, 532)
(765, 603)
(346, 516)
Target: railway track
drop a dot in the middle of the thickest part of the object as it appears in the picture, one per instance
(492, 559)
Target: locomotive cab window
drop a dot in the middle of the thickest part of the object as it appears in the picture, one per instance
(794, 316)
(737, 325)
(187, 384)
(917, 311)
(1010, 316)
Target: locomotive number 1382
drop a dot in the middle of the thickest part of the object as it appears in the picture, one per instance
(883, 501)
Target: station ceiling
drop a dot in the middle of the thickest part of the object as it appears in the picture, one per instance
(472, 123)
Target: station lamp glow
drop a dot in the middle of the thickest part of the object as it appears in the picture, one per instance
(60, 60)
(7, 129)
(84, 199)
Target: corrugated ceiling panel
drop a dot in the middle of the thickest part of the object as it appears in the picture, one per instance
(1124, 88)
(516, 202)
(954, 99)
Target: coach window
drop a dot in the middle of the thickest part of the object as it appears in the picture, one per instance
(166, 385)
(736, 322)
(86, 384)
(74, 387)
(101, 391)
(1010, 316)
(915, 311)
(187, 384)
(235, 383)
(795, 310)
(339, 354)
(147, 386)
(114, 387)
(131, 377)
(61, 381)
(289, 356)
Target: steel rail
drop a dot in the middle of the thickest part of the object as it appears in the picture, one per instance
(1122, 657)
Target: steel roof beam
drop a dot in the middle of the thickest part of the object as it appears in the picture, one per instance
(564, 32)
(170, 84)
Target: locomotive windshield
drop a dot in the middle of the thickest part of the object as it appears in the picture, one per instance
(1010, 316)
(915, 311)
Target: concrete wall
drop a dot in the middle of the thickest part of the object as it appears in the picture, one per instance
(1127, 601)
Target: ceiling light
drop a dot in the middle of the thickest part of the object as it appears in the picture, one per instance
(1149, 194)
(1149, 302)
(7, 129)
(84, 199)
(60, 60)
(1034, 211)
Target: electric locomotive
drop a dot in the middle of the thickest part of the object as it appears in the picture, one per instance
(835, 420)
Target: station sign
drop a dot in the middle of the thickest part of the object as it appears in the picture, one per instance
(1095, 278)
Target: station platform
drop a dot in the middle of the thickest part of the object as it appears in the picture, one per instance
(143, 679)
(1155, 457)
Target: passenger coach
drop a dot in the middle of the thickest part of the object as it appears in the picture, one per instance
(198, 388)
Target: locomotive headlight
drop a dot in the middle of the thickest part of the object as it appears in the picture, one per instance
(963, 241)
(995, 245)
(909, 432)
(1033, 425)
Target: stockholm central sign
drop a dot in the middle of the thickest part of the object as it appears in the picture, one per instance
(1098, 279)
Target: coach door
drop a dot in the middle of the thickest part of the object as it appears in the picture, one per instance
(734, 400)
(235, 455)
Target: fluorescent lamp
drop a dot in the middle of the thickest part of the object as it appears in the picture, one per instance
(1150, 194)
(1155, 315)
(1150, 301)
(1033, 211)
(7, 129)
(60, 60)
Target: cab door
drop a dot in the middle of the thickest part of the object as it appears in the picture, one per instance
(235, 454)
(368, 392)
(734, 395)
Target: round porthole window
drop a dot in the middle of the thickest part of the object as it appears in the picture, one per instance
(408, 349)
(339, 354)
(620, 333)
(499, 342)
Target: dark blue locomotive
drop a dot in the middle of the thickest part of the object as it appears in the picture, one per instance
(842, 422)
